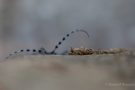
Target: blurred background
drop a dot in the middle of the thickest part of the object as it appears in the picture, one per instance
(36, 23)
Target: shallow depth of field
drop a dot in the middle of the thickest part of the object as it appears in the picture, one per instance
(32, 24)
(42, 23)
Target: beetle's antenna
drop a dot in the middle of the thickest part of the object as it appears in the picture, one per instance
(32, 51)
(65, 37)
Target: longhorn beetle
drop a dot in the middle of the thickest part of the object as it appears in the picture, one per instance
(42, 51)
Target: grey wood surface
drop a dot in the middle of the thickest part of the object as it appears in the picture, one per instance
(97, 72)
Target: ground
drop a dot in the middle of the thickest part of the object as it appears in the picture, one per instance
(99, 71)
